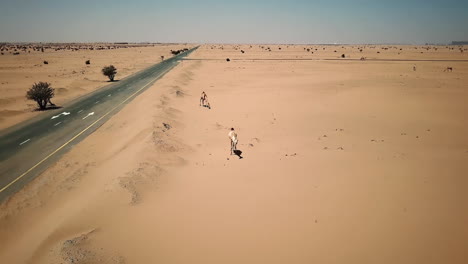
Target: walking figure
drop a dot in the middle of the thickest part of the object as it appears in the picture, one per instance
(233, 138)
(203, 98)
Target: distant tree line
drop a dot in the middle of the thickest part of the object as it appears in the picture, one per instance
(177, 52)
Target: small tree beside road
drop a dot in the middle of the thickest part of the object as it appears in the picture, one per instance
(109, 71)
(41, 92)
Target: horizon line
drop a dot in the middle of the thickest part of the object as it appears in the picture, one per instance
(453, 43)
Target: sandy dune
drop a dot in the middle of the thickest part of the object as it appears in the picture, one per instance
(67, 72)
(343, 162)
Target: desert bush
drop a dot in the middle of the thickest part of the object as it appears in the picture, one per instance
(343, 56)
(46, 62)
(177, 52)
(40, 92)
(228, 59)
(88, 62)
(16, 53)
(109, 71)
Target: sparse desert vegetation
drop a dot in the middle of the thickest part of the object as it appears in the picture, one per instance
(163, 155)
(177, 52)
(67, 70)
(41, 93)
(110, 72)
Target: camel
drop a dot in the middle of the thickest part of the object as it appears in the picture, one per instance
(233, 138)
(204, 100)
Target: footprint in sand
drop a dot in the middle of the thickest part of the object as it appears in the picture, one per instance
(218, 126)
(179, 93)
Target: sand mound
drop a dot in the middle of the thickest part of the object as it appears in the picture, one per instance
(163, 143)
(61, 91)
(135, 181)
(80, 250)
(338, 157)
(8, 100)
(10, 113)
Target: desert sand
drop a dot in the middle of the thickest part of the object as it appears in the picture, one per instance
(66, 70)
(343, 162)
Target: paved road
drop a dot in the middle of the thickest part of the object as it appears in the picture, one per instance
(29, 148)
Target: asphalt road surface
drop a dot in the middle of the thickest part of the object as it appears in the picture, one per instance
(29, 148)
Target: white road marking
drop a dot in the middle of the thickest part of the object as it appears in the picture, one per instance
(80, 111)
(58, 123)
(90, 114)
(24, 142)
(63, 113)
(77, 135)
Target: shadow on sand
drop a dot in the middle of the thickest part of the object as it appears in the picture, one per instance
(238, 153)
(48, 108)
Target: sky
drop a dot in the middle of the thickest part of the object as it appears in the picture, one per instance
(240, 21)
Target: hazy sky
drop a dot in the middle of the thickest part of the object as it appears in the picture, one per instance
(241, 21)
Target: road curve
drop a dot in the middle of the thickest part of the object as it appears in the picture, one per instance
(29, 148)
